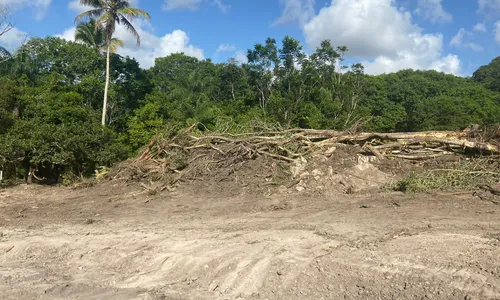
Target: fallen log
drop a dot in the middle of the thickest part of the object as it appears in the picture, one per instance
(416, 157)
(290, 145)
(375, 152)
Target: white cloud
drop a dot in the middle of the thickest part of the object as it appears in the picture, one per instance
(382, 34)
(433, 11)
(76, 6)
(367, 27)
(13, 39)
(489, 6)
(181, 4)
(68, 34)
(458, 39)
(300, 11)
(175, 42)
(193, 4)
(425, 53)
(79, 8)
(480, 27)
(474, 46)
(39, 6)
(238, 56)
(463, 38)
(241, 57)
(152, 46)
(223, 7)
(449, 64)
(496, 30)
(225, 48)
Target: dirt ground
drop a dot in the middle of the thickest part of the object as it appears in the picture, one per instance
(116, 241)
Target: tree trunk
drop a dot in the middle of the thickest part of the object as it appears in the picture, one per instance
(232, 92)
(29, 178)
(58, 173)
(106, 87)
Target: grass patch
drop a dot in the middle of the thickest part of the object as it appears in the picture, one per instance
(468, 174)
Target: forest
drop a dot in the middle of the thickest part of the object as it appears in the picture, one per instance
(51, 93)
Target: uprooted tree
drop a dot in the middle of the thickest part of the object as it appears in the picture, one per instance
(186, 156)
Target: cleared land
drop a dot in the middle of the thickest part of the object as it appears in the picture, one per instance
(115, 241)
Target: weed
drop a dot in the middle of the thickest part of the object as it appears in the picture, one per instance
(469, 174)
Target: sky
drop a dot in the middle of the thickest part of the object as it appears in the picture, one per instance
(451, 36)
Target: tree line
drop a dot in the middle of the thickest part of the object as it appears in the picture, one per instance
(52, 91)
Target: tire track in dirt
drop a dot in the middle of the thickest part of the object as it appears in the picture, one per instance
(236, 263)
(318, 248)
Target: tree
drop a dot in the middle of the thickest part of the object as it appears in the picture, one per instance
(54, 130)
(109, 13)
(8, 93)
(233, 82)
(261, 62)
(489, 75)
(93, 36)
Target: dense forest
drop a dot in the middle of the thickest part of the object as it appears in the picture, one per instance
(51, 94)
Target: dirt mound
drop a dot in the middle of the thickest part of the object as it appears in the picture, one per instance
(293, 160)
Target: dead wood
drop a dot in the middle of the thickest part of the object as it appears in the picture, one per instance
(493, 190)
(189, 155)
(375, 152)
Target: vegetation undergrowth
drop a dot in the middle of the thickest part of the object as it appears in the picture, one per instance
(52, 95)
(467, 174)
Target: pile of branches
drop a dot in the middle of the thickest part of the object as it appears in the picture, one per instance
(187, 155)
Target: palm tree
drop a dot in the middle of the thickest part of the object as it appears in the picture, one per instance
(93, 36)
(108, 14)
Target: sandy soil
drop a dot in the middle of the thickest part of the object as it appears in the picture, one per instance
(117, 242)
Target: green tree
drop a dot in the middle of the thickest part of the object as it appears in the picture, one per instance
(8, 97)
(56, 132)
(233, 82)
(109, 13)
(489, 75)
(261, 63)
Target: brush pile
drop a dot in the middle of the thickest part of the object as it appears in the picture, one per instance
(188, 156)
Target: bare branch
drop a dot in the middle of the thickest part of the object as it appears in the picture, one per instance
(5, 20)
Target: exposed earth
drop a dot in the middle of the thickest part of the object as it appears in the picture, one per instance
(116, 241)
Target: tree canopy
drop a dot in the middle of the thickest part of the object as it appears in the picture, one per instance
(51, 95)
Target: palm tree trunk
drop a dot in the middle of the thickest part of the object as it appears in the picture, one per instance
(106, 87)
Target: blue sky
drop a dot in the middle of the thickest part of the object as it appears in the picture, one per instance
(453, 36)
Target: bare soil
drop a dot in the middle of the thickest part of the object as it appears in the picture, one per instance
(115, 241)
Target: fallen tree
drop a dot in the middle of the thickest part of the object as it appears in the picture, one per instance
(279, 145)
(188, 154)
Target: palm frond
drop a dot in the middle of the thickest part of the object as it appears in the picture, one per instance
(93, 13)
(128, 25)
(115, 43)
(107, 23)
(108, 13)
(86, 33)
(92, 3)
(134, 13)
(122, 3)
